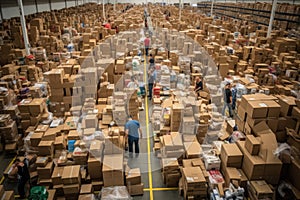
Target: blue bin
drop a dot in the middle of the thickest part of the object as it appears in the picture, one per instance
(71, 145)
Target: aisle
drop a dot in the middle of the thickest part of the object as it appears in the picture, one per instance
(154, 188)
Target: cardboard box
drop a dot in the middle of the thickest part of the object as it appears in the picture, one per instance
(137, 189)
(96, 148)
(1, 190)
(36, 106)
(56, 175)
(95, 168)
(257, 109)
(252, 144)
(133, 177)
(51, 194)
(46, 148)
(231, 174)
(71, 175)
(8, 195)
(71, 189)
(86, 189)
(253, 166)
(192, 149)
(86, 197)
(41, 161)
(261, 128)
(113, 170)
(231, 155)
(45, 172)
(36, 138)
(260, 190)
(286, 105)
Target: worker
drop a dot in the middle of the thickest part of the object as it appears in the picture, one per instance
(227, 100)
(133, 83)
(107, 25)
(152, 74)
(147, 44)
(21, 169)
(198, 85)
(151, 61)
(234, 93)
(133, 134)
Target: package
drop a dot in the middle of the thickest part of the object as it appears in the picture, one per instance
(137, 189)
(46, 148)
(86, 189)
(45, 172)
(231, 155)
(117, 192)
(260, 190)
(252, 145)
(95, 168)
(71, 175)
(192, 149)
(56, 175)
(133, 177)
(112, 168)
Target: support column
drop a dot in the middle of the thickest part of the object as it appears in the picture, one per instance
(24, 29)
(274, 5)
(180, 7)
(50, 6)
(36, 6)
(212, 8)
(1, 14)
(103, 9)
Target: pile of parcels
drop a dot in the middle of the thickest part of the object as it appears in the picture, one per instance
(255, 154)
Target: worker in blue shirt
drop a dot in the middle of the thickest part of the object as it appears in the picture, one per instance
(133, 133)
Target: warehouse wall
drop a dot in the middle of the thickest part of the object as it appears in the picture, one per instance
(10, 7)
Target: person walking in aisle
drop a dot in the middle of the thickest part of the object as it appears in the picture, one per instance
(21, 169)
(233, 92)
(133, 133)
(147, 44)
(151, 80)
(227, 100)
(151, 61)
(198, 85)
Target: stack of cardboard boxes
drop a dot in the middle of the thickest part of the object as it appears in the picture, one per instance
(170, 171)
(134, 182)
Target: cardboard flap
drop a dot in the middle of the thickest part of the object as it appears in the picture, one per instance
(268, 147)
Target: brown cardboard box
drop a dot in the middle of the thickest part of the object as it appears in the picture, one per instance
(293, 173)
(56, 175)
(86, 197)
(241, 112)
(231, 174)
(137, 189)
(71, 175)
(95, 168)
(252, 144)
(36, 106)
(113, 168)
(133, 177)
(192, 149)
(45, 172)
(24, 105)
(260, 190)
(257, 109)
(96, 148)
(287, 104)
(8, 195)
(46, 148)
(71, 189)
(273, 109)
(1, 190)
(273, 164)
(261, 128)
(41, 161)
(253, 166)
(36, 138)
(51, 194)
(86, 189)
(231, 155)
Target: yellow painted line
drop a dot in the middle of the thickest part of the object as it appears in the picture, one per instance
(160, 189)
(148, 134)
(9, 165)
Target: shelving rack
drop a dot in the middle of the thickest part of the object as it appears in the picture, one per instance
(286, 16)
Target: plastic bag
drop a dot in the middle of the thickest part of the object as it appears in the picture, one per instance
(117, 192)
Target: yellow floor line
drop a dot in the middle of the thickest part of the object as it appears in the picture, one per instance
(160, 189)
(9, 165)
(148, 134)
